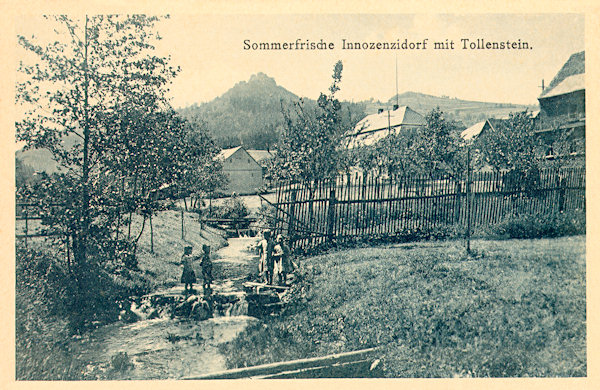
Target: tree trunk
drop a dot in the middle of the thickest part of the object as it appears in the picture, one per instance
(80, 254)
(182, 227)
(151, 236)
(131, 210)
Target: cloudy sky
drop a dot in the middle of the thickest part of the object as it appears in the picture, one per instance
(210, 51)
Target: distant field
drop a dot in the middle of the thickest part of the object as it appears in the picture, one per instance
(515, 309)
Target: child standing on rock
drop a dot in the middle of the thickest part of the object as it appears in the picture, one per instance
(188, 276)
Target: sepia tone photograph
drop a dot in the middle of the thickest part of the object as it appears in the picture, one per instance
(287, 196)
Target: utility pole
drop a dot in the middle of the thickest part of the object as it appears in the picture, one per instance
(542, 86)
(397, 98)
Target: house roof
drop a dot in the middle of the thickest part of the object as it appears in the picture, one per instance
(475, 131)
(402, 116)
(226, 153)
(375, 127)
(260, 155)
(570, 84)
(574, 65)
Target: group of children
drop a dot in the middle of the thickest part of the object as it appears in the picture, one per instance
(273, 267)
(274, 262)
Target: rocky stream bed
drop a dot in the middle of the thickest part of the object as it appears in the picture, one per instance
(170, 335)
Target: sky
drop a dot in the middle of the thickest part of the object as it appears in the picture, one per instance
(210, 51)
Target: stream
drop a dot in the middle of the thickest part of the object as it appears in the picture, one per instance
(163, 346)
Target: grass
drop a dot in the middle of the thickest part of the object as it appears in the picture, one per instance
(514, 309)
(163, 265)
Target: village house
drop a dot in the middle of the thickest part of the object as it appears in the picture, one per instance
(476, 131)
(562, 108)
(264, 158)
(375, 127)
(244, 172)
(261, 156)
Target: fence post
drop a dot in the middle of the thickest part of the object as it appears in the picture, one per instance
(468, 201)
(331, 214)
(458, 200)
(291, 219)
(26, 225)
(561, 192)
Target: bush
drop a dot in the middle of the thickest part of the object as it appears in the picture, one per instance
(121, 362)
(232, 208)
(539, 226)
(41, 302)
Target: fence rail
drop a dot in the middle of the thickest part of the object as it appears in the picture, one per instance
(310, 213)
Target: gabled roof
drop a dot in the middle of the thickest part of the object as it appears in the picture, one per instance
(375, 127)
(260, 155)
(402, 116)
(476, 130)
(226, 153)
(570, 84)
(574, 65)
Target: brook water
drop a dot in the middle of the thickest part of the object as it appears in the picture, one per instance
(162, 347)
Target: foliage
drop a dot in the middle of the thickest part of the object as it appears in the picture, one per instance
(510, 144)
(42, 295)
(248, 114)
(232, 208)
(393, 155)
(311, 147)
(201, 173)
(438, 148)
(121, 362)
(24, 175)
(432, 149)
(536, 226)
(95, 99)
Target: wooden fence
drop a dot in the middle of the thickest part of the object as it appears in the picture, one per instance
(351, 206)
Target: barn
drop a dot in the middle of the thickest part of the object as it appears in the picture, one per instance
(245, 174)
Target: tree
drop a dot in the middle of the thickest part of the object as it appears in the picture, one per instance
(392, 155)
(201, 174)
(511, 144)
(311, 144)
(431, 149)
(438, 148)
(94, 98)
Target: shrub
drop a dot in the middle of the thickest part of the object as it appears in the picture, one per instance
(538, 226)
(121, 362)
(232, 208)
(41, 302)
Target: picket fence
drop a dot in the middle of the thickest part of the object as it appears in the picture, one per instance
(359, 206)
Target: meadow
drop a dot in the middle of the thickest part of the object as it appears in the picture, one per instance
(512, 308)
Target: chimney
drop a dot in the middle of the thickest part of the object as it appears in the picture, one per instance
(379, 111)
(396, 107)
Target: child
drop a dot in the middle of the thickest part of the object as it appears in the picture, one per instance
(188, 276)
